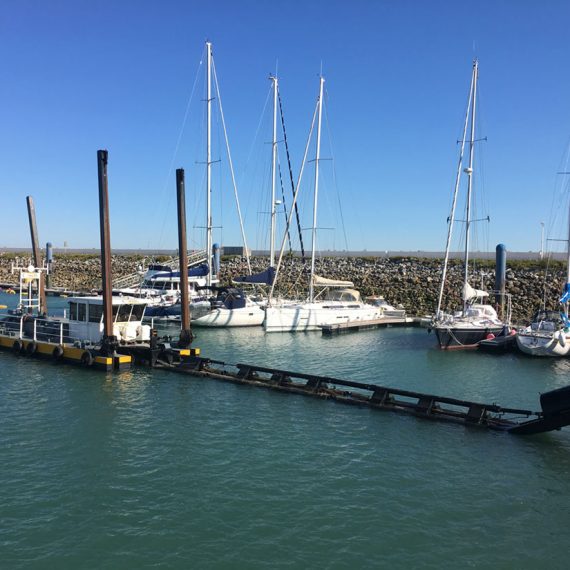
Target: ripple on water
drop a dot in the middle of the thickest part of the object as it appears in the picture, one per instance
(140, 469)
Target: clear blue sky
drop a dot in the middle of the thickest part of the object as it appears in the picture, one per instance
(78, 76)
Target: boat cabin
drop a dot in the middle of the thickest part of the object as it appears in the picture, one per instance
(86, 319)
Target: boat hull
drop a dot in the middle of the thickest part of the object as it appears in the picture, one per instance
(312, 316)
(242, 317)
(542, 345)
(463, 337)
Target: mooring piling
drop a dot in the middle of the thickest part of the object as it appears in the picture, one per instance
(109, 342)
(185, 333)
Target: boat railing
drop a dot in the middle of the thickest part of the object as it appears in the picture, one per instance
(25, 327)
(135, 279)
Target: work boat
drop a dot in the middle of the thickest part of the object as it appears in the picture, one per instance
(336, 301)
(477, 319)
(82, 322)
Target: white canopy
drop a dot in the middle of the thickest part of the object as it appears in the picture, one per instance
(470, 293)
(324, 282)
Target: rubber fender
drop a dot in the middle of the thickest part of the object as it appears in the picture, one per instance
(31, 348)
(18, 346)
(86, 358)
(57, 353)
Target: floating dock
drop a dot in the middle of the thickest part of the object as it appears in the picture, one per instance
(356, 326)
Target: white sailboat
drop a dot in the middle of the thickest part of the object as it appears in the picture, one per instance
(477, 319)
(549, 332)
(335, 301)
(230, 307)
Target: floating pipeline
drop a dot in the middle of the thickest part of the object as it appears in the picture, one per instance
(555, 405)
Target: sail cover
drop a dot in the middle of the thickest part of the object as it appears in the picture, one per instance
(324, 282)
(470, 293)
(265, 277)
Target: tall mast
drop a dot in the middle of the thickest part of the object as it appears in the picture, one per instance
(567, 250)
(273, 172)
(469, 172)
(209, 162)
(454, 202)
(316, 196)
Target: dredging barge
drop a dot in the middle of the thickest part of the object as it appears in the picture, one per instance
(180, 358)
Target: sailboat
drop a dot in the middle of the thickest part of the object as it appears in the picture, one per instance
(329, 301)
(477, 319)
(230, 306)
(549, 332)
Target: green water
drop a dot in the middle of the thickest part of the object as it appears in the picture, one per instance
(144, 470)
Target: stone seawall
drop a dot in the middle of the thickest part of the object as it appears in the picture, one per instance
(412, 282)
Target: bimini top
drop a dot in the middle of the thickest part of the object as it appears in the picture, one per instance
(324, 282)
(344, 295)
(470, 293)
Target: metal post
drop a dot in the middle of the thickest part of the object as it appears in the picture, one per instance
(500, 277)
(469, 172)
(316, 193)
(209, 161)
(36, 253)
(185, 333)
(273, 173)
(109, 342)
(49, 263)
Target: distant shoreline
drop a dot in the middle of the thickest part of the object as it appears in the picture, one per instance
(329, 253)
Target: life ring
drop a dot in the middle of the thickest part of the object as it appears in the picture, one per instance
(57, 353)
(31, 348)
(18, 346)
(86, 358)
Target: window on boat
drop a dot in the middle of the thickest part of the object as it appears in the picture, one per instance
(121, 313)
(137, 314)
(72, 311)
(95, 313)
(81, 312)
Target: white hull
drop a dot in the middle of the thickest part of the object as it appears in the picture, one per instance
(243, 317)
(543, 345)
(312, 316)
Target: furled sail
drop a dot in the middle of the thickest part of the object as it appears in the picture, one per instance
(324, 282)
(470, 293)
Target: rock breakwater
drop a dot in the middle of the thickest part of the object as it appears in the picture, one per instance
(412, 282)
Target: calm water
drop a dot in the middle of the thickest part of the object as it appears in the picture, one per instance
(141, 469)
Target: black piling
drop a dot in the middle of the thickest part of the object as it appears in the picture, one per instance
(36, 252)
(109, 343)
(500, 277)
(185, 332)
